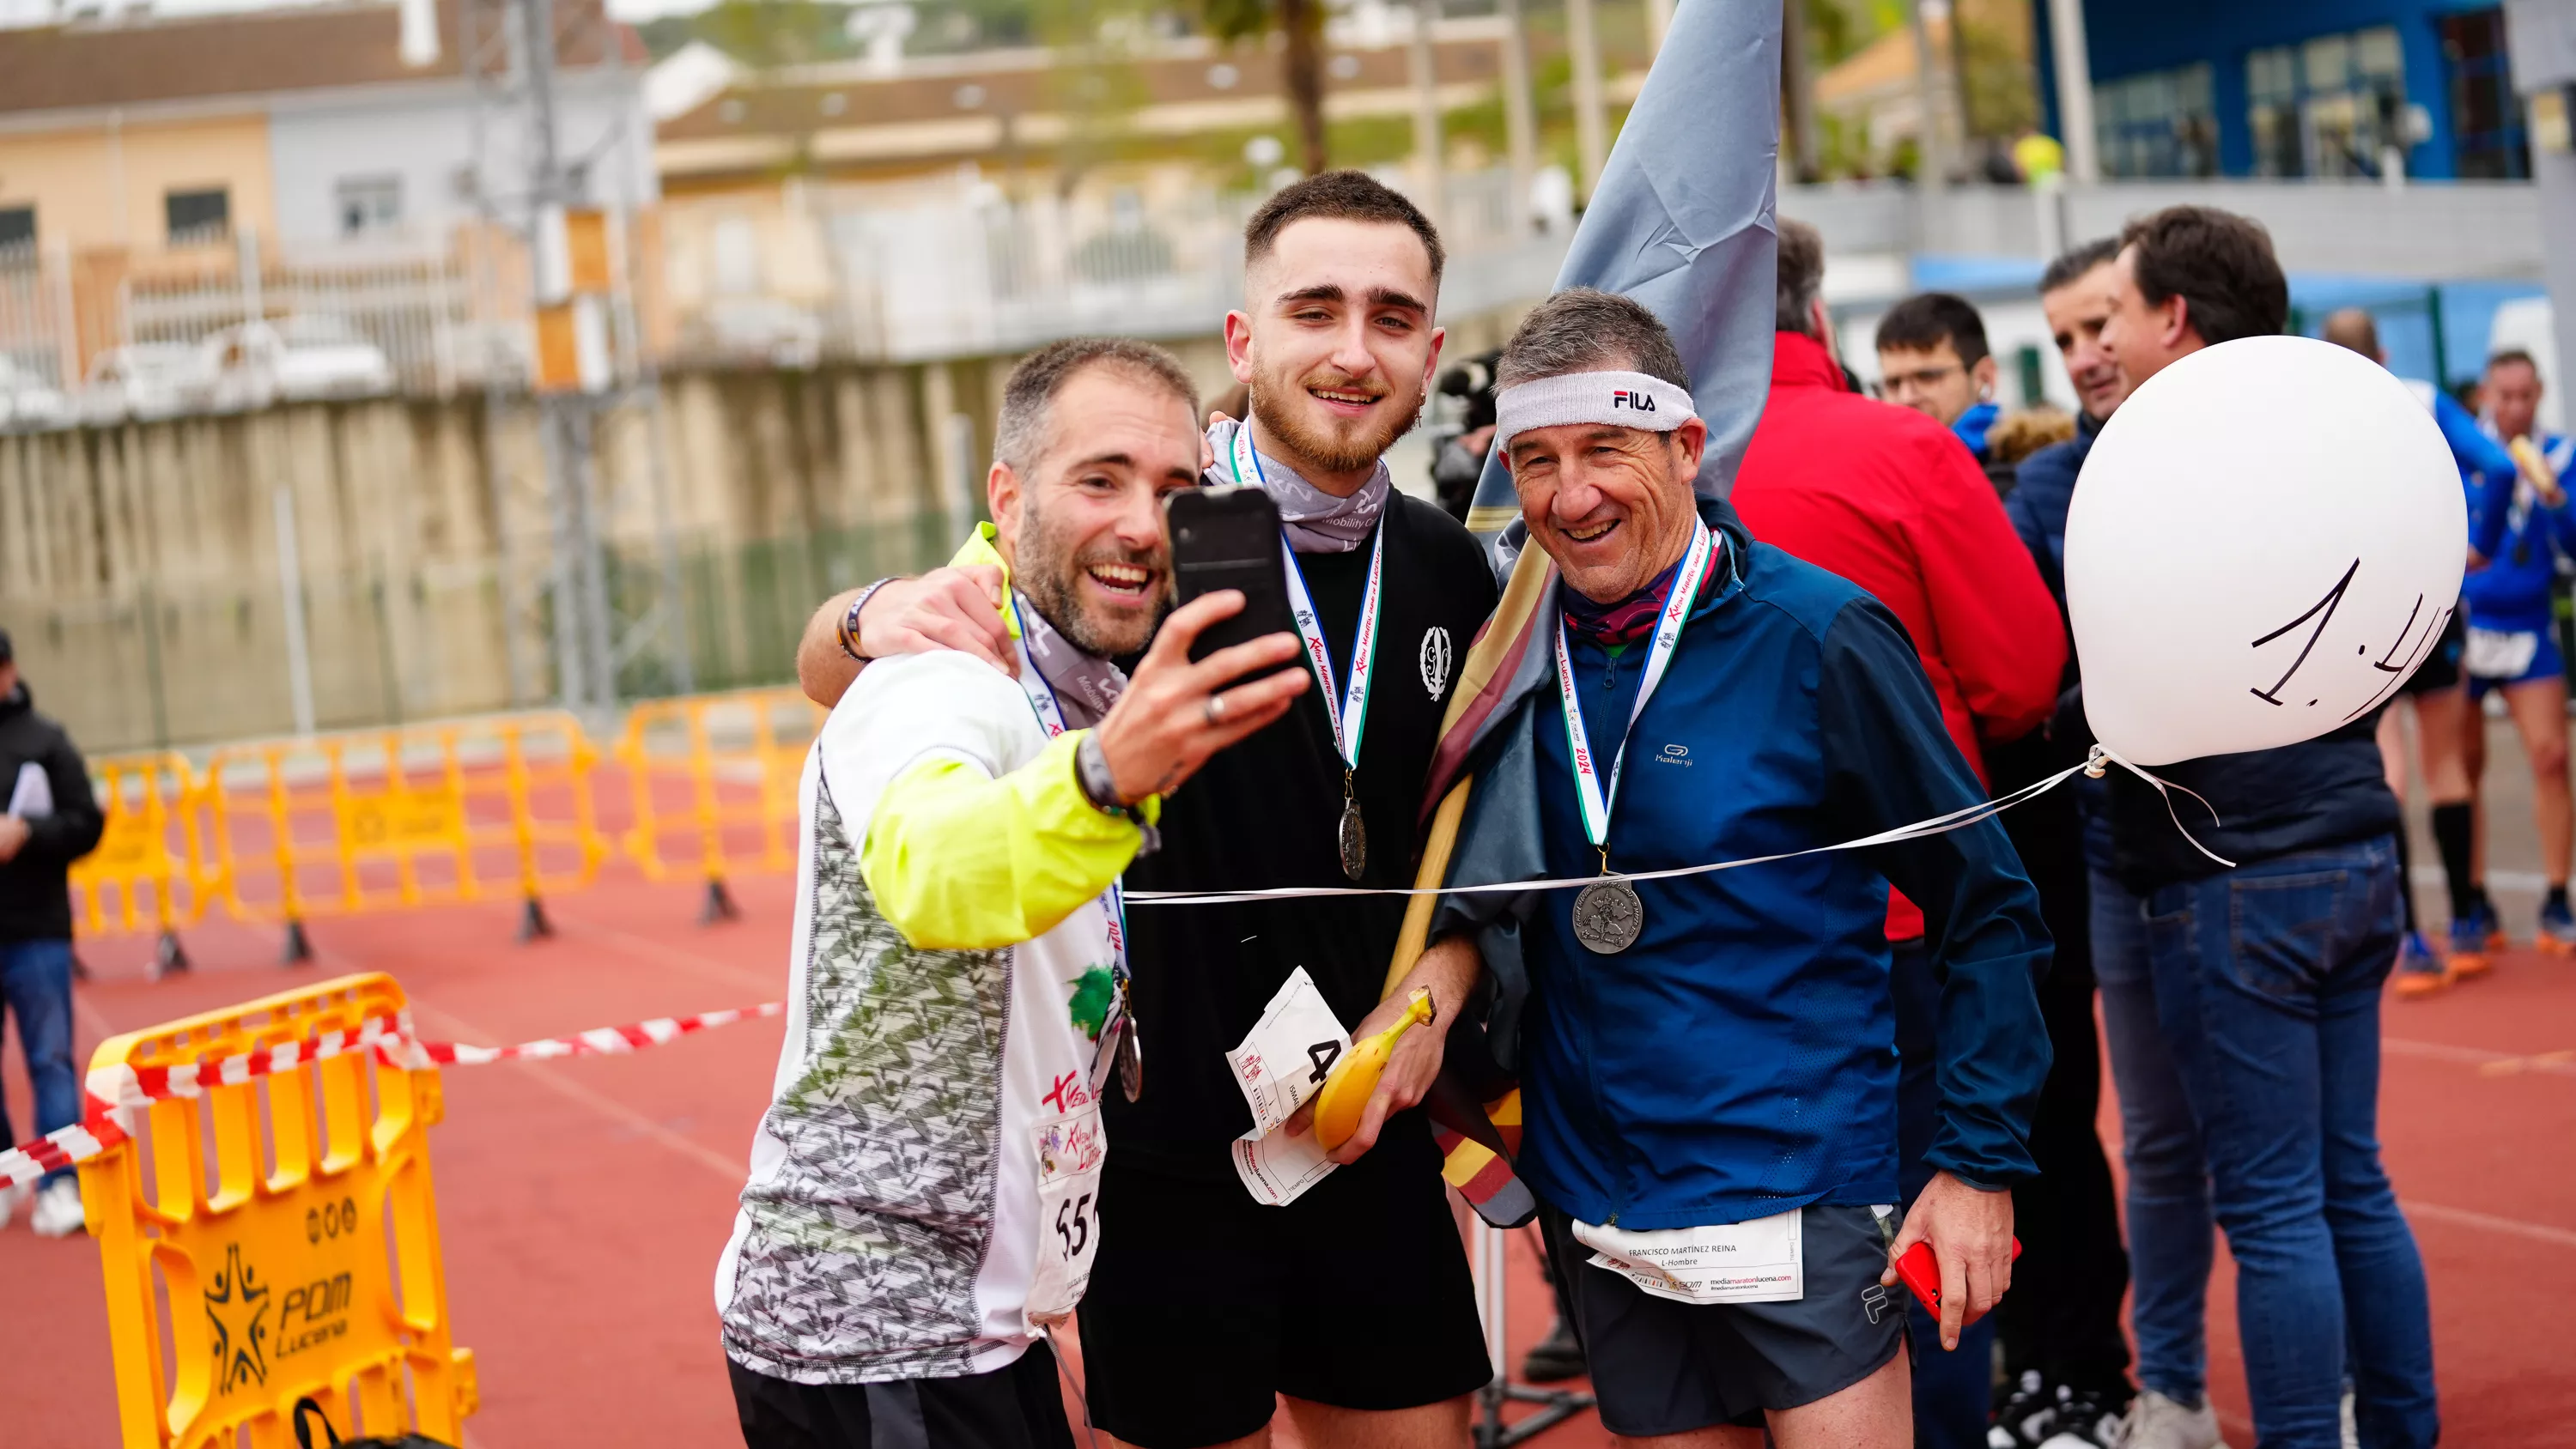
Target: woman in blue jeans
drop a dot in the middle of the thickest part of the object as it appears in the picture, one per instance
(2267, 983)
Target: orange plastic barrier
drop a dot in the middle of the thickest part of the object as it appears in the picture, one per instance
(379, 819)
(714, 780)
(279, 1234)
(149, 858)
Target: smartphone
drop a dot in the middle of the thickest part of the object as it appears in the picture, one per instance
(1920, 1271)
(1228, 538)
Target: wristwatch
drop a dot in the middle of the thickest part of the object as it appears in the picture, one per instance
(1100, 787)
(849, 629)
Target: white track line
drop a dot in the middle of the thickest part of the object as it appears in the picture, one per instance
(2488, 1222)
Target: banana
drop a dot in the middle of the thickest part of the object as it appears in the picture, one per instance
(1347, 1090)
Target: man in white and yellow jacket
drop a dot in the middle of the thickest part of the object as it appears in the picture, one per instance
(923, 1191)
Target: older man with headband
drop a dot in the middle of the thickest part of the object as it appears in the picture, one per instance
(1707, 1057)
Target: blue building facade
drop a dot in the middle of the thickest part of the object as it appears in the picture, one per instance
(2296, 88)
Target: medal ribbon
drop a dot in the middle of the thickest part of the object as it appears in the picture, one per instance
(1113, 901)
(1346, 712)
(1595, 801)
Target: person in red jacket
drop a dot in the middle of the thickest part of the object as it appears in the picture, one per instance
(1894, 502)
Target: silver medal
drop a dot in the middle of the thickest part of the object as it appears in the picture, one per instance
(1608, 915)
(1354, 840)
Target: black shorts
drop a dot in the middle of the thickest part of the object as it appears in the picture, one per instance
(1204, 1304)
(1016, 1407)
(2441, 668)
(1661, 1367)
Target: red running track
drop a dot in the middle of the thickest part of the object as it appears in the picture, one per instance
(584, 1201)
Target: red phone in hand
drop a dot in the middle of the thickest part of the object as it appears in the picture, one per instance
(1921, 1272)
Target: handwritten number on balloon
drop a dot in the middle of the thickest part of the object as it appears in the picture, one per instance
(2323, 611)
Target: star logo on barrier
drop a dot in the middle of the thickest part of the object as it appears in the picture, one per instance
(237, 1305)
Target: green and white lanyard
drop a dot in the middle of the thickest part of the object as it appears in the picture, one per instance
(1595, 800)
(1346, 710)
(1118, 1034)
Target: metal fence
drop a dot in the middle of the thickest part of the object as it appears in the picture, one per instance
(415, 305)
(958, 269)
(420, 316)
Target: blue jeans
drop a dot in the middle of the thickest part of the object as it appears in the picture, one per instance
(36, 987)
(1952, 1393)
(2170, 1227)
(2268, 983)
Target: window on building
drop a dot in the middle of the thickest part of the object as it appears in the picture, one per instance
(197, 216)
(736, 245)
(2489, 139)
(2162, 123)
(2327, 106)
(17, 227)
(369, 204)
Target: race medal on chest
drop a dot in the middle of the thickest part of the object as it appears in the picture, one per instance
(1354, 841)
(1346, 709)
(1608, 916)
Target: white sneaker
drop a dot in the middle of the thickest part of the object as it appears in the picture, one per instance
(2351, 1426)
(12, 1198)
(2156, 1422)
(58, 1210)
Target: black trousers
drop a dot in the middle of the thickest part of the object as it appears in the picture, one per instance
(2062, 1316)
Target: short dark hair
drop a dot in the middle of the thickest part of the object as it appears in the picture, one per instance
(2221, 265)
(1344, 196)
(1802, 273)
(1579, 330)
(1928, 319)
(2354, 329)
(2504, 357)
(2070, 266)
(1028, 395)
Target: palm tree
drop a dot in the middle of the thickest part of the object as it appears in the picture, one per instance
(1301, 22)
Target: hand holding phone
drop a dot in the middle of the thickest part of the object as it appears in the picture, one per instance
(1178, 710)
(1228, 538)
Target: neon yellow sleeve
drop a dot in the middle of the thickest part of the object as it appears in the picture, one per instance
(961, 860)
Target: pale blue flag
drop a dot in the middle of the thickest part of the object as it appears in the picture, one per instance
(1682, 222)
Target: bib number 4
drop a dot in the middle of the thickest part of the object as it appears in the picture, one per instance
(1321, 1056)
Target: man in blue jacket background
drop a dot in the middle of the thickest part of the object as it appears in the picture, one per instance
(1708, 1061)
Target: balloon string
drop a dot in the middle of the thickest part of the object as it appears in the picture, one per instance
(2103, 756)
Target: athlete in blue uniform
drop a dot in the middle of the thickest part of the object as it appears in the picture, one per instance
(2445, 717)
(2513, 643)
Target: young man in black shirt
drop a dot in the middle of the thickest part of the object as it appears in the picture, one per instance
(1354, 1299)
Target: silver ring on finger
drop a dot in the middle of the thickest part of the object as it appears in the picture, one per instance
(1214, 709)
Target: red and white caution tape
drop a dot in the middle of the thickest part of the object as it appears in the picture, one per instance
(115, 1092)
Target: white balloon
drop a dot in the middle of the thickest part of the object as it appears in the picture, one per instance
(2267, 537)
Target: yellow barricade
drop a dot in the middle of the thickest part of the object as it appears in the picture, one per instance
(282, 1241)
(714, 784)
(148, 858)
(379, 819)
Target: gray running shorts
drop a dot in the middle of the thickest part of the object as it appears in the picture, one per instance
(1661, 1367)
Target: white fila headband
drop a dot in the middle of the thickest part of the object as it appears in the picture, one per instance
(1620, 399)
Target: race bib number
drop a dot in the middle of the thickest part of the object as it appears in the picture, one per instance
(1070, 1149)
(1762, 1261)
(1281, 1064)
(2493, 654)
(1277, 1168)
